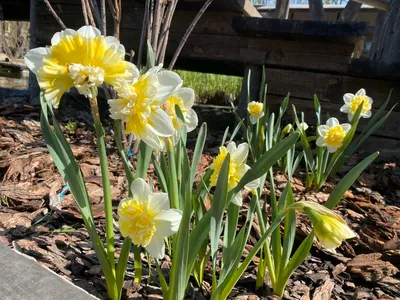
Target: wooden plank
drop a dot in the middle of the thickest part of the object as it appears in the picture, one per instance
(328, 87)
(391, 128)
(380, 4)
(296, 29)
(282, 9)
(253, 73)
(349, 13)
(248, 8)
(317, 10)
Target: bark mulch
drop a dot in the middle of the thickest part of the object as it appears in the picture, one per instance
(39, 221)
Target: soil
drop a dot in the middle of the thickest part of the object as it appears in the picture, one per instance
(39, 221)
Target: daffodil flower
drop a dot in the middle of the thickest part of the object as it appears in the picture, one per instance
(147, 218)
(256, 111)
(83, 59)
(332, 134)
(237, 168)
(139, 105)
(352, 102)
(329, 227)
(184, 98)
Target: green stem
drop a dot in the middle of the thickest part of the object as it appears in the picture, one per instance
(137, 261)
(106, 190)
(121, 266)
(173, 190)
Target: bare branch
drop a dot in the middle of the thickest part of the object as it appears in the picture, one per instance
(103, 16)
(188, 32)
(164, 33)
(143, 34)
(89, 13)
(55, 14)
(85, 17)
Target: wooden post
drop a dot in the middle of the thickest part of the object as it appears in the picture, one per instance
(317, 10)
(387, 35)
(380, 4)
(33, 84)
(281, 9)
(255, 82)
(349, 13)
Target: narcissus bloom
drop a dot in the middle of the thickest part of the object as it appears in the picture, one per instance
(352, 102)
(237, 168)
(139, 105)
(332, 134)
(83, 59)
(329, 227)
(184, 98)
(256, 111)
(147, 218)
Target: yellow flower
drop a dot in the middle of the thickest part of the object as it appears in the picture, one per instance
(237, 168)
(147, 218)
(184, 98)
(329, 227)
(83, 59)
(332, 134)
(256, 111)
(139, 105)
(352, 102)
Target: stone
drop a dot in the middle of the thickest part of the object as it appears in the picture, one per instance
(22, 278)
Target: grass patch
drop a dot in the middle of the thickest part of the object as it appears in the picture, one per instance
(212, 88)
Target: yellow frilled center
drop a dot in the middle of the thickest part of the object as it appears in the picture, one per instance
(356, 102)
(139, 105)
(335, 135)
(255, 108)
(169, 107)
(137, 222)
(233, 179)
(95, 58)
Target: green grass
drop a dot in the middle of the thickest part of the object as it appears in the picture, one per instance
(212, 88)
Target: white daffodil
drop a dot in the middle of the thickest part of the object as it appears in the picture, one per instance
(83, 59)
(303, 126)
(352, 102)
(184, 98)
(147, 218)
(332, 134)
(237, 168)
(329, 227)
(256, 111)
(139, 105)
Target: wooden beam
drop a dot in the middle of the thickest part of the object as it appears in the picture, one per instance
(317, 10)
(380, 4)
(248, 9)
(350, 12)
(281, 9)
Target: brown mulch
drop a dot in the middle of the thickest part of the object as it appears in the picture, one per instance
(36, 220)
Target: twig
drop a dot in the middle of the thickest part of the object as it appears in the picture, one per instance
(116, 11)
(156, 25)
(188, 32)
(85, 17)
(89, 13)
(165, 32)
(55, 14)
(96, 12)
(103, 16)
(143, 34)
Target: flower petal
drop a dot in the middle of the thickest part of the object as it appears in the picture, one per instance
(156, 247)
(59, 35)
(346, 127)
(253, 119)
(240, 154)
(169, 82)
(187, 95)
(140, 188)
(34, 58)
(332, 149)
(322, 130)
(191, 120)
(89, 31)
(112, 41)
(152, 140)
(361, 92)
(158, 202)
(161, 123)
(238, 199)
(231, 147)
(320, 142)
(345, 108)
(367, 114)
(167, 222)
(348, 97)
(332, 122)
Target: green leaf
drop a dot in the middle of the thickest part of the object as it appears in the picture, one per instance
(218, 207)
(150, 56)
(198, 150)
(143, 160)
(266, 161)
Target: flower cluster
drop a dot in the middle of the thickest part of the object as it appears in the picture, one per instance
(333, 133)
(85, 59)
